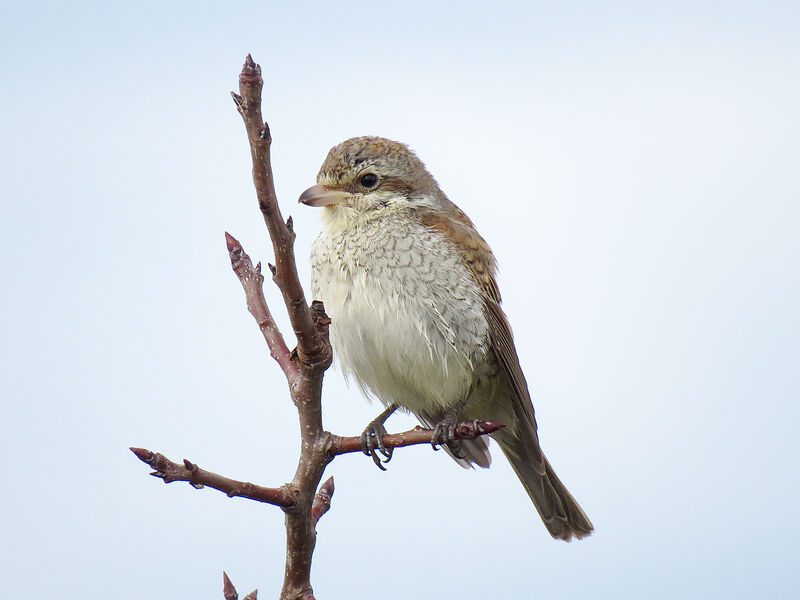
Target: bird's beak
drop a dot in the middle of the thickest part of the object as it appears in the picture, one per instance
(322, 195)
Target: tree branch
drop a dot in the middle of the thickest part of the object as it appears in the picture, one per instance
(248, 102)
(466, 430)
(314, 355)
(252, 281)
(170, 471)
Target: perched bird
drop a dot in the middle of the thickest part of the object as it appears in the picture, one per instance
(410, 288)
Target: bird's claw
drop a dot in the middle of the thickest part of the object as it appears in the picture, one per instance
(372, 443)
(444, 434)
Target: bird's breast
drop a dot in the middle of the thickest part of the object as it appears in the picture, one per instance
(407, 316)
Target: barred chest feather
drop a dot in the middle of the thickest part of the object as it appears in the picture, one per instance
(407, 320)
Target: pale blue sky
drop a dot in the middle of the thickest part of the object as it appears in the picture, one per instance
(635, 170)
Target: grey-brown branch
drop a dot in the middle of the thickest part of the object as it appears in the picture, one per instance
(253, 283)
(306, 366)
(285, 496)
(248, 103)
(170, 471)
(466, 430)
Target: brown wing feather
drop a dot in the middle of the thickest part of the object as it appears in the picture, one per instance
(506, 352)
(481, 263)
(561, 513)
(476, 252)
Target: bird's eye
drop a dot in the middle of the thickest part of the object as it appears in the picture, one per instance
(370, 180)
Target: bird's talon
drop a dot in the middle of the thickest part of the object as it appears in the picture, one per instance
(377, 460)
(444, 434)
(366, 442)
(436, 438)
(387, 452)
(372, 443)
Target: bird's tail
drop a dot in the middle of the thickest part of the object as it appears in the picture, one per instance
(560, 512)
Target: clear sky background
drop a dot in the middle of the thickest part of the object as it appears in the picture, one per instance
(635, 168)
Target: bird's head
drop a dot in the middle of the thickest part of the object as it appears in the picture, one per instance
(365, 174)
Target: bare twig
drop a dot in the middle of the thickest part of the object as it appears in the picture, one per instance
(313, 350)
(252, 281)
(467, 430)
(227, 588)
(230, 593)
(248, 102)
(171, 471)
(284, 497)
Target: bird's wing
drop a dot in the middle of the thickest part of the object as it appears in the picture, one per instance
(476, 252)
(482, 265)
(506, 352)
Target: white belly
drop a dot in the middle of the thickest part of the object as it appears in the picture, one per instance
(407, 318)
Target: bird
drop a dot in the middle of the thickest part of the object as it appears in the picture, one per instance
(416, 320)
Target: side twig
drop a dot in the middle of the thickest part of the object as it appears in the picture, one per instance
(187, 471)
(284, 496)
(248, 103)
(253, 283)
(466, 430)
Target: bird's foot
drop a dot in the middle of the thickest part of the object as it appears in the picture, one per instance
(372, 443)
(444, 433)
(372, 439)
